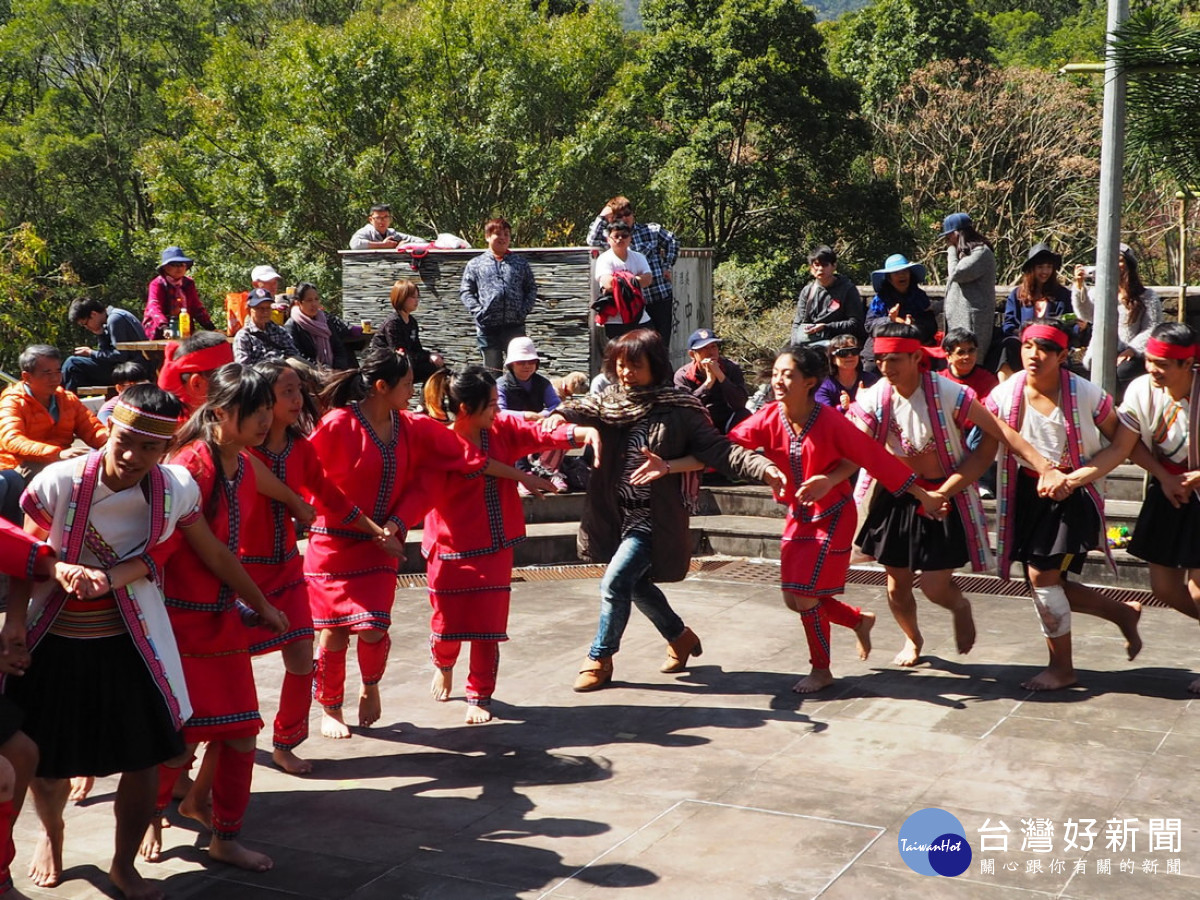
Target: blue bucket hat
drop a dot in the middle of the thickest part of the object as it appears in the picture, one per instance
(897, 262)
(173, 255)
(954, 222)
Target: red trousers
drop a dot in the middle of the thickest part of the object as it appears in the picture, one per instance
(481, 676)
(816, 627)
(230, 790)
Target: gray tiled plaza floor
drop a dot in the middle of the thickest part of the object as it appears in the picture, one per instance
(718, 783)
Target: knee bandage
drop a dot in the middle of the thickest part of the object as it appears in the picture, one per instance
(1053, 609)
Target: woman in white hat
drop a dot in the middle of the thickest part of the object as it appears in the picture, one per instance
(170, 293)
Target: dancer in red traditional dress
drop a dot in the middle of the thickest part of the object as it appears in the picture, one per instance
(373, 450)
(820, 450)
(469, 536)
(210, 621)
(270, 554)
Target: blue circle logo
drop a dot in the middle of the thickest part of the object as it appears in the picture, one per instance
(933, 842)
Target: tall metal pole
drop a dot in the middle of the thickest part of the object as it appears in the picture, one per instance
(1183, 196)
(1108, 234)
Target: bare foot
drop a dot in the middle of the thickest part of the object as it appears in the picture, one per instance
(235, 854)
(333, 725)
(45, 869)
(80, 788)
(199, 809)
(1050, 680)
(863, 633)
(368, 706)
(443, 680)
(909, 655)
(477, 715)
(129, 882)
(1129, 628)
(290, 762)
(1194, 687)
(183, 784)
(964, 627)
(151, 848)
(815, 681)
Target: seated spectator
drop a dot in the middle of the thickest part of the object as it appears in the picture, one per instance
(86, 367)
(170, 293)
(318, 335)
(124, 376)
(236, 311)
(899, 298)
(714, 380)
(1039, 295)
(190, 364)
(1139, 311)
(828, 305)
(400, 331)
(965, 367)
(261, 339)
(847, 374)
(378, 233)
(522, 391)
(963, 364)
(499, 291)
(39, 422)
(620, 257)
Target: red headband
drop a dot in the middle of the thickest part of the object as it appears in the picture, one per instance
(170, 378)
(897, 345)
(1155, 347)
(1048, 333)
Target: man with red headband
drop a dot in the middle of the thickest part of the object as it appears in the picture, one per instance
(1163, 406)
(190, 363)
(923, 419)
(104, 693)
(1050, 512)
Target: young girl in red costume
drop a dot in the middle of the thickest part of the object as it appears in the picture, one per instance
(820, 450)
(209, 621)
(270, 555)
(469, 536)
(373, 450)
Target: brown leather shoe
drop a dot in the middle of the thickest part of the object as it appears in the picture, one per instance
(595, 674)
(678, 651)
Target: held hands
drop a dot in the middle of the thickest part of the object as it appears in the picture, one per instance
(437, 360)
(14, 654)
(652, 469)
(391, 544)
(775, 480)
(591, 438)
(84, 582)
(552, 421)
(1054, 484)
(537, 485)
(934, 504)
(813, 490)
(273, 619)
(301, 511)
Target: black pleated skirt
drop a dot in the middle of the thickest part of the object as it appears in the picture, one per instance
(1046, 532)
(897, 535)
(1165, 535)
(93, 709)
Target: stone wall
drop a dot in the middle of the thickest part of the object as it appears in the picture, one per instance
(561, 322)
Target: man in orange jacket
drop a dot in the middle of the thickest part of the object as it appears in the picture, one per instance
(39, 422)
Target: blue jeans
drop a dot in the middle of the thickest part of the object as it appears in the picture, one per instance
(626, 582)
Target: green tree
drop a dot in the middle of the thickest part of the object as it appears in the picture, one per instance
(35, 295)
(1018, 149)
(880, 46)
(758, 140)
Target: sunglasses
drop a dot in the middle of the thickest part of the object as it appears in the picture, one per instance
(847, 352)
